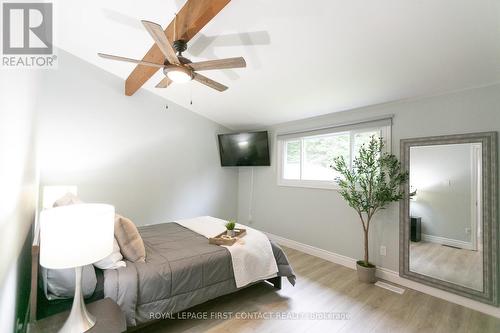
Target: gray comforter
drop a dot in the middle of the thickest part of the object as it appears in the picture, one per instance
(181, 271)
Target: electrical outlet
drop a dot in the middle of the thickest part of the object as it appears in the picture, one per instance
(383, 250)
(467, 231)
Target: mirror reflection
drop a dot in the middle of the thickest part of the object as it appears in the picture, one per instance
(445, 214)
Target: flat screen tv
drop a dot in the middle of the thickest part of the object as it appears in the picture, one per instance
(244, 149)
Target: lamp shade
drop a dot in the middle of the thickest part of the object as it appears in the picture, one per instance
(76, 235)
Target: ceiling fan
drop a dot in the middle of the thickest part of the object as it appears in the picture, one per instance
(176, 67)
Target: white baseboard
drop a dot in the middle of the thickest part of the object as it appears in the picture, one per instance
(447, 241)
(388, 275)
(314, 251)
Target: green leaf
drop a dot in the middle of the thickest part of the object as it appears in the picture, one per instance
(374, 180)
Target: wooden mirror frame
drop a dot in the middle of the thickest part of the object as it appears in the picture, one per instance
(489, 179)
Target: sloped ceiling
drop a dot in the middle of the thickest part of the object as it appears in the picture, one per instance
(305, 58)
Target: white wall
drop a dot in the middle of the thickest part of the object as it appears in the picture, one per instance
(154, 164)
(320, 217)
(18, 186)
(442, 176)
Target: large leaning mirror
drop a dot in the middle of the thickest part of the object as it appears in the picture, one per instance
(448, 229)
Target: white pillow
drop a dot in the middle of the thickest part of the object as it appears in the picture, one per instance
(60, 283)
(114, 260)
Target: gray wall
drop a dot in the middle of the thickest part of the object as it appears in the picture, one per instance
(320, 217)
(442, 176)
(18, 191)
(153, 164)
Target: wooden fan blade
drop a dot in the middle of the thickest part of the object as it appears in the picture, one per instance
(209, 82)
(164, 83)
(218, 64)
(161, 40)
(190, 20)
(140, 62)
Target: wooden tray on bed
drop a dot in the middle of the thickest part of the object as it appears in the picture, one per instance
(222, 239)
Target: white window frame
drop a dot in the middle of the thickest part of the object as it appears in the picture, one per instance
(323, 184)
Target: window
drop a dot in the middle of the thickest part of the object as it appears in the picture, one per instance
(304, 160)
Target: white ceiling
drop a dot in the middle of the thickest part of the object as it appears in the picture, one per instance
(305, 58)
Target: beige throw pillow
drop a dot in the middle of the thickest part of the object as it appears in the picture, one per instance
(129, 239)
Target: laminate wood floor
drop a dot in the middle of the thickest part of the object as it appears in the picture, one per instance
(463, 267)
(324, 287)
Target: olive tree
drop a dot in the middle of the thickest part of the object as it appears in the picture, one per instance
(373, 181)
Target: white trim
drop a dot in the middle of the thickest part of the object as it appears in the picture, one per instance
(388, 275)
(381, 121)
(314, 251)
(302, 158)
(318, 184)
(448, 241)
(351, 148)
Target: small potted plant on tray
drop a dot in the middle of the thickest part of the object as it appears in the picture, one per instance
(230, 228)
(372, 183)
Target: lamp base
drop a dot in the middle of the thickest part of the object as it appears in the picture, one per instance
(79, 320)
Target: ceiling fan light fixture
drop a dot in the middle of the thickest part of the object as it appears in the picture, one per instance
(178, 74)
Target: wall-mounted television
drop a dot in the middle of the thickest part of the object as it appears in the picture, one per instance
(244, 149)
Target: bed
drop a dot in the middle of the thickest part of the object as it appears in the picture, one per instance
(181, 270)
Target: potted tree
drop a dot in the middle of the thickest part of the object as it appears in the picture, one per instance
(372, 183)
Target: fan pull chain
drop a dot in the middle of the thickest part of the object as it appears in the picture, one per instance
(191, 93)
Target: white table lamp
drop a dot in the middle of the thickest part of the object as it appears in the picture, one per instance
(71, 237)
